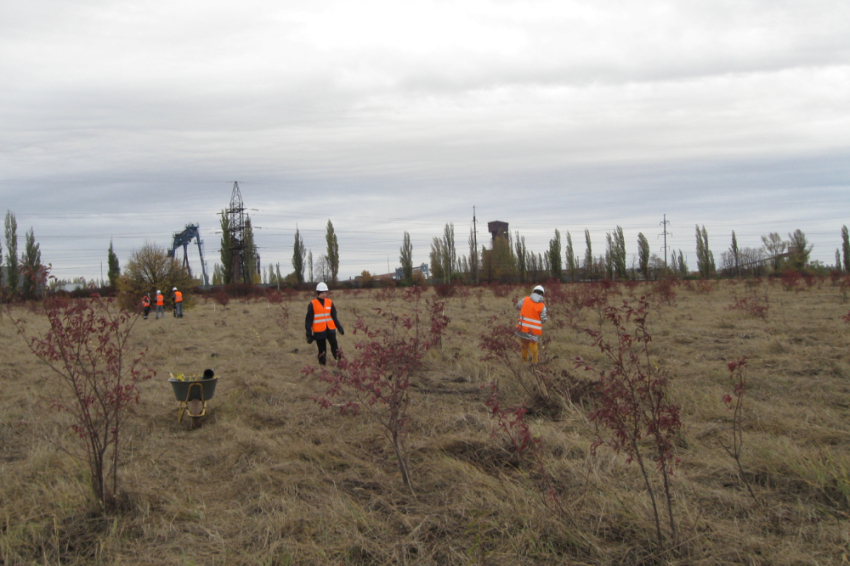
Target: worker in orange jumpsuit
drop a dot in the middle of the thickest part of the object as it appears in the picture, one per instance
(146, 305)
(160, 304)
(529, 328)
(177, 297)
(321, 323)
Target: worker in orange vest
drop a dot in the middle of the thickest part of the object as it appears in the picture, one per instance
(177, 297)
(321, 323)
(146, 305)
(160, 304)
(529, 328)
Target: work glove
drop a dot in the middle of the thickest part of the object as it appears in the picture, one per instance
(341, 331)
(309, 338)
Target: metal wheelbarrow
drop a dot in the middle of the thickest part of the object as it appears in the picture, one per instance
(193, 394)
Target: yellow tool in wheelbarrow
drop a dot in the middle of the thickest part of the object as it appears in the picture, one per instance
(192, 394)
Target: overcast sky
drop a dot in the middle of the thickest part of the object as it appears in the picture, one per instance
(125, 121)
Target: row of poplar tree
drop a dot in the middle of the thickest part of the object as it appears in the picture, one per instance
(508, 258)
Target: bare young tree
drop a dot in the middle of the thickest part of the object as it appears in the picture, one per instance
(751, 261)
(323, 269)
(775, 247)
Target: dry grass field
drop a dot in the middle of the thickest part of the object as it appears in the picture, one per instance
(271, 478)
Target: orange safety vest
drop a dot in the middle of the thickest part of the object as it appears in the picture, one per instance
(322, 319)
(529, 317)
(160, 300)
(146, 302)
(178, 297)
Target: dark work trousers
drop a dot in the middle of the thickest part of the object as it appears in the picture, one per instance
(323, 347)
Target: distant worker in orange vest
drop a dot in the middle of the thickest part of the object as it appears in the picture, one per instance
(321, 323)
(160, 304)
(529, 328)
(177, 297)
(146, 305)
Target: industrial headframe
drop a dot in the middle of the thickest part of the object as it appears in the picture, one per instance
(183, 239)
(236, 219)
(497, 229)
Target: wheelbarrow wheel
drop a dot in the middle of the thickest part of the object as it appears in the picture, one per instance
(192, 397)
(197, 412)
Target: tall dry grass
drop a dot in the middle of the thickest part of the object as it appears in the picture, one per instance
(272, 479)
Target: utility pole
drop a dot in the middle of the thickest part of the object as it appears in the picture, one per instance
(664, 224)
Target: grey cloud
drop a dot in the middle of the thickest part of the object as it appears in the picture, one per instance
(130, 120)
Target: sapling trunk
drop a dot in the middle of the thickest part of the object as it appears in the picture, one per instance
(736, 371)
(402, 463)
(639, 457)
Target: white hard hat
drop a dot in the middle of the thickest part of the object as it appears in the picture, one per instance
(158, 292)
(538, 290)
(321, 288)
(174, 289)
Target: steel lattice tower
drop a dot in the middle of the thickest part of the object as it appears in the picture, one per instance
(236, 219)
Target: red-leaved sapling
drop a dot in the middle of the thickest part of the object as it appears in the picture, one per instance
(376, 379)
(634, 401)
(87, 349)
(754, 305)
(735, 403)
